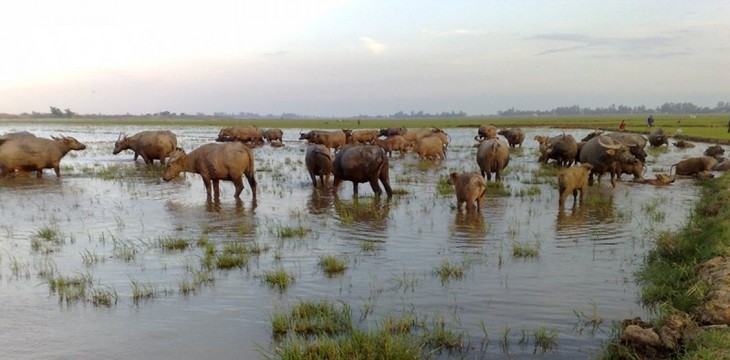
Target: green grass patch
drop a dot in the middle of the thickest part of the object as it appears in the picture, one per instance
(278, 279)
(447, 271)
(332, 265)
(525, 249)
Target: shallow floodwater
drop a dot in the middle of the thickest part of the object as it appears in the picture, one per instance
(111, 214)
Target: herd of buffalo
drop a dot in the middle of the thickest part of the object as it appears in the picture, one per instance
(362, 156)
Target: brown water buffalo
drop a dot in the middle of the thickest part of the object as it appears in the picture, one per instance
(244, 134)
(514, 136)
(393, 143)
(30, 153)
(722, 166)
(414, 135)
(318, 160)
(393, 131)
(331, 139)
(17, 134)
(470, 189)
(430, 147)
(493, 157)
(151, 145)
(715, 151)
(486, 132)
(602, 152)
(658, 137)
(272, 135)
(659, 180)
(362, 163)
(562, 148)
(684, 144)
(638, 169)
(694, 165)
(573, 180)
(361, 136)
(215, 162)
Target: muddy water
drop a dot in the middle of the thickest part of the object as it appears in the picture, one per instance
(118, 210)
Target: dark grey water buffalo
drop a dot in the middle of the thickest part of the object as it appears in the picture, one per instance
(393, 131)
(30, 153)
(573, 180)
(318, 160)
(561, 148)
(151, 145)
(635, 142)
(514, 136)
(214, 162)
(658, 137)
(469, 188)
(360, 164)
(715, 151)
(602, 152)
(684, 144)
(694, 165)
(722, 166)
(493, 157)
(591, 135)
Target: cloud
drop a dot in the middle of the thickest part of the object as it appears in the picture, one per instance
(657, 45)
(376, 47)
(455, 32)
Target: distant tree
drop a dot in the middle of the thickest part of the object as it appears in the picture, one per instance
(56, 112)
(68, 113)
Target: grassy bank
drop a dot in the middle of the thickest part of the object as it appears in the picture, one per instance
(670, 283)
(710, 128)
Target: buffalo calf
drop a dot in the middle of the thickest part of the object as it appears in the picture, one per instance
(470, 189)
(573, 180)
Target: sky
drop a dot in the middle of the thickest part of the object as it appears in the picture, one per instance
(349, 58)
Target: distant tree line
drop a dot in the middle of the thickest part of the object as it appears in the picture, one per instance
(666, 108)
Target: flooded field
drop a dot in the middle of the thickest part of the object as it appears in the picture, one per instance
(112, 261)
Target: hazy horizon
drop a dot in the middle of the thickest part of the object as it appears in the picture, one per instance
(347, 58)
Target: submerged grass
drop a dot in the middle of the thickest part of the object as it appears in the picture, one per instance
(332, 265)
(278, 279)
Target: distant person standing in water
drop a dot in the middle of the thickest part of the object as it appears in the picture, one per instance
(728, 126)
(622, 125)
(650, 121)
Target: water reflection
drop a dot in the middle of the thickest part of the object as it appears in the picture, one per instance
(369, 214)
(320, 200)
(469, 227)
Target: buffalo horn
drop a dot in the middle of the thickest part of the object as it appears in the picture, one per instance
(607, 146)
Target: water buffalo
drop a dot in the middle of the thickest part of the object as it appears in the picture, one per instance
(470, 189)
(215, 162)
(430, 147)
(361, 136)
(486, 132)
(694, 165)
(561, 148)
(658, 137)
(715, 151)
(573, 180)
(393, 131)
(591, 135)
(514, 136)
(493, 157)
(331, 139)
(318, 160)
(638, 169)
(659, 180)
(150, 145)
(684, 144)
(635, 142)
(244, 134)
(418, 134)
(362, 163)
(30, 153)
(722, 165)
(272, 135)
(602, 152)
(17, 134)
(393, 143)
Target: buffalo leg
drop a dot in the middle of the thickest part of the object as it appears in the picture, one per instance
(238, 184)
(252, 184)
(386, 181)
(216, 189)
(376, 188)
(575, 196)
(206, 182)
(314, 178)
